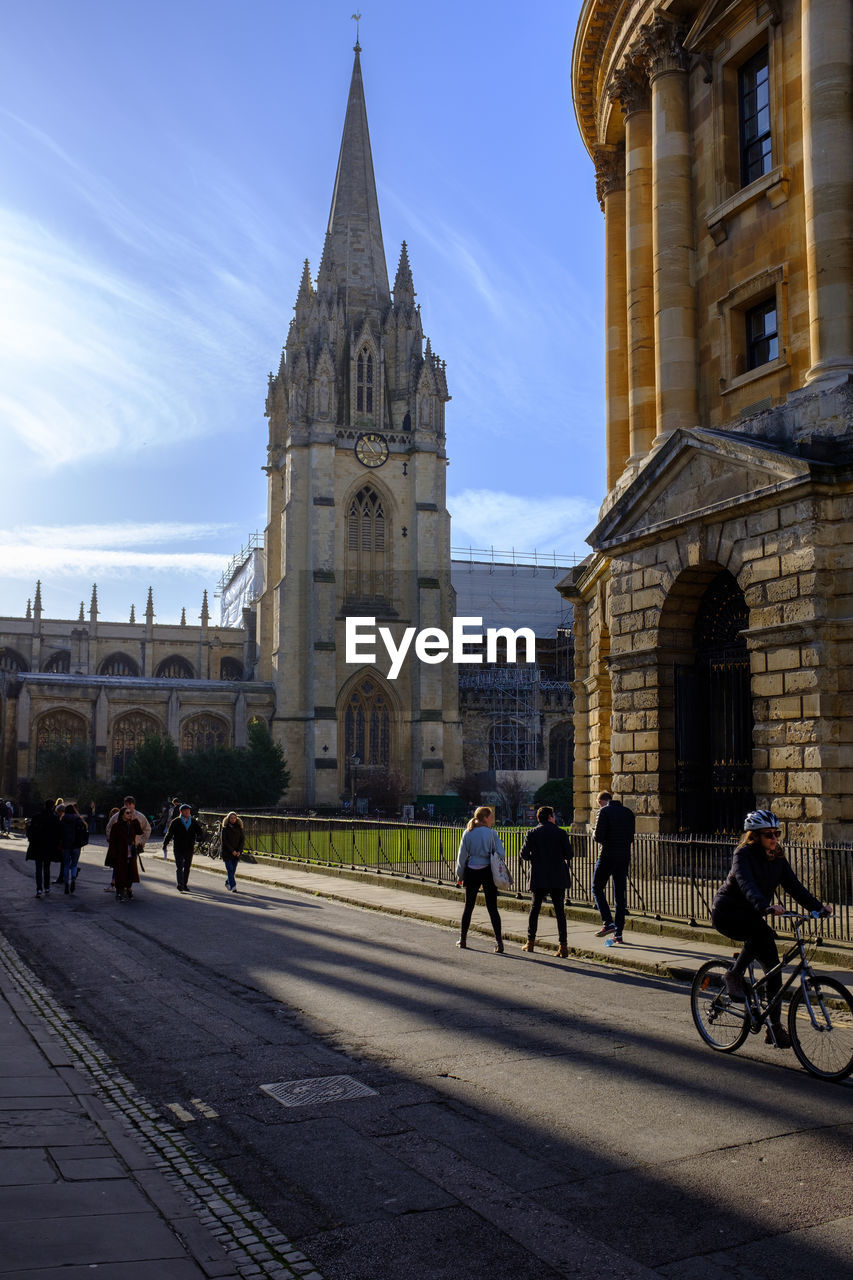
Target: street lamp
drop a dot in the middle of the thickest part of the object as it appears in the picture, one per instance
(354, 763)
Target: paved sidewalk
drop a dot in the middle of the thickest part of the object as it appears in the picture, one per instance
(76, 1192)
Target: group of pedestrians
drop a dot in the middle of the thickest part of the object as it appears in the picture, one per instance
(58, 833)
(759, 868)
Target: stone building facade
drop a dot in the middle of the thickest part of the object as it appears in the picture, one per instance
(106, 686)
(713, 641)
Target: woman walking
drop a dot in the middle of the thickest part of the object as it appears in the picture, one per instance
(122, 853)
(45, 836)
(232, 846)
(474, 871)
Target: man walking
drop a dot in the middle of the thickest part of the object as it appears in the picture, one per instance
(183, 833)
(549, 851)
(614, 831)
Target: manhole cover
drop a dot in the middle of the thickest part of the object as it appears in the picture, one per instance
(301, 1093)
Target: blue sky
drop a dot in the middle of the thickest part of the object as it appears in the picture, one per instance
(168, 166)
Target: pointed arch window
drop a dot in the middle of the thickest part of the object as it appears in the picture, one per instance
(203, 733)
(367, 724)
(366, 571)
(364, 381)
(129, 732)
(60, 730)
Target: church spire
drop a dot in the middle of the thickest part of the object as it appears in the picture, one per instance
(355, 233)
(404, 285)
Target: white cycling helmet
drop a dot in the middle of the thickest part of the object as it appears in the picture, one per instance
(760, 820)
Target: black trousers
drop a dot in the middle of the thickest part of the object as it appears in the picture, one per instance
(558, 901)
(759, 943)
(183, 862)
(474, 881)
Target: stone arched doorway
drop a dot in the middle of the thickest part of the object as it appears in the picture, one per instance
(712, 704)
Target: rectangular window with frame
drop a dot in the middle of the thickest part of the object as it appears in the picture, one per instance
(756, 152)
(762, 334)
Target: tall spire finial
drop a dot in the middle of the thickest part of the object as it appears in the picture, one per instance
(356, 17)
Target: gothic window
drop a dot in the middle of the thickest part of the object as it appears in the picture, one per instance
(11, 660)
(118, 664)
(511, 746)
(203, 733)
(364, 382)
(59, 729)
(230, 669)
(560, 751)
(174, 668)
(129, 732)
(754, 117)
(367, 724)
(366, 570)
(59, 663)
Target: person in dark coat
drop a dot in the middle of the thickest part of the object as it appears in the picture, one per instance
(45, 836)
(126, 832)
(182, 834)
(74, 835)
(759, 868)
(233, 839)
(614, 831)
(548, 849)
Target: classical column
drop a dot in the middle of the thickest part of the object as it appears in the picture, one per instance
(610, 188)
(827, 98)
(660, 50)
(630, 87)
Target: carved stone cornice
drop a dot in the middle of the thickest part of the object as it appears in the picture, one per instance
(659, 48)
(609, 171)
(629, 86)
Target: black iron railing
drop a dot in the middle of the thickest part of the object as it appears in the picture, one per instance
(672, 877)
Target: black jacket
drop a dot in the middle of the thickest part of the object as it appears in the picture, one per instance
(754, 879)
(184, 837)
(614, 830)
(548, 849)
(75, 833)
(233, 838)
(45, 835)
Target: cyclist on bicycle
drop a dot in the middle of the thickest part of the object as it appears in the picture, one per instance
(759, 868)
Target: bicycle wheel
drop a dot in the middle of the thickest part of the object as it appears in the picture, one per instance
(824, 1049)
(721, 1021)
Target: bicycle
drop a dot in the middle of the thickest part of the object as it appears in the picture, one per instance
(820, 1013)
(211, 845)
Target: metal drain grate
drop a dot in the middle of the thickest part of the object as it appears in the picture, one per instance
(302, 1093)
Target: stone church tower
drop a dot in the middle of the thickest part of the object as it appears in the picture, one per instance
(357, 522)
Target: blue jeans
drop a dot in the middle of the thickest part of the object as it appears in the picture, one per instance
(615, 866)
(70, 858)
(230, 868)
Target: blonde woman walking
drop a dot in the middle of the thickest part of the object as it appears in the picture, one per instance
(474, 871)
(232, 846)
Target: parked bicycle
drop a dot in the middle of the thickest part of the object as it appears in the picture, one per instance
(211, 845)
(820, 1013)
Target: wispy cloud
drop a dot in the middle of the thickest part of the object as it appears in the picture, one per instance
(111, 551)
(129, 344)
(486, 518)
(95, 536)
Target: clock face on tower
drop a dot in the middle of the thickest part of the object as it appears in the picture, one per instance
(371, 449)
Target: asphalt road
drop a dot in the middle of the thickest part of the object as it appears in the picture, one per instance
(528, 1118)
